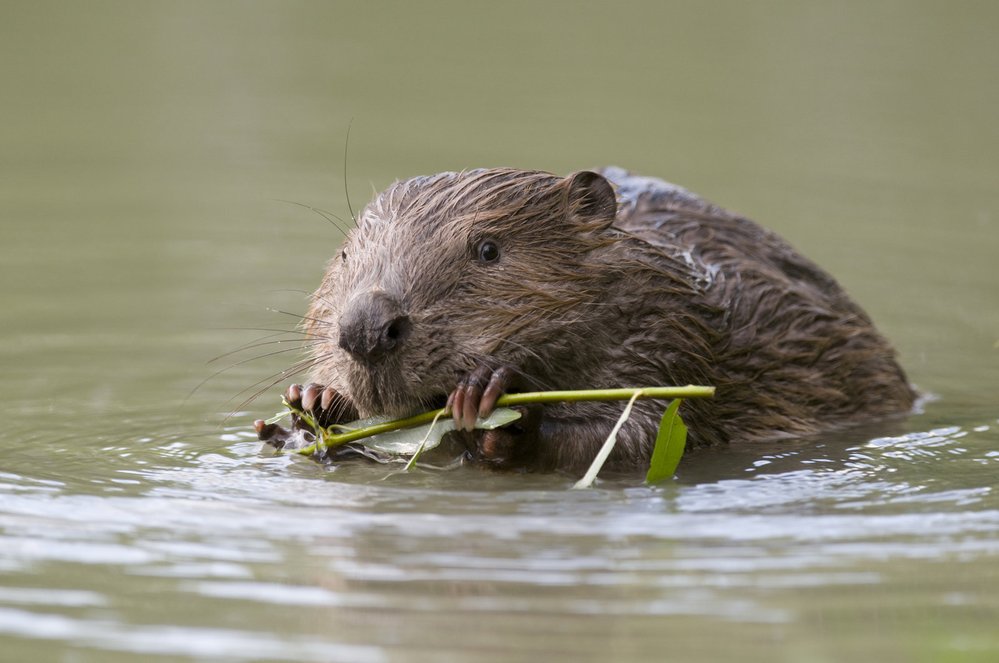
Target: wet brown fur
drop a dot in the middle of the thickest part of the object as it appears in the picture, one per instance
(669, 290)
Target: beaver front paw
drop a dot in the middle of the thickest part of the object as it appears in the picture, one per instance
(509, 447)
(476, 395)
(324, 405)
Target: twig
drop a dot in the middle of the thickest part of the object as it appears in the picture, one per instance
(326, 439)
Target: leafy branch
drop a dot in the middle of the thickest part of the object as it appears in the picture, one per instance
(666, 455)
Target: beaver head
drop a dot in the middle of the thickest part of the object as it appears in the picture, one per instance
(453, 271)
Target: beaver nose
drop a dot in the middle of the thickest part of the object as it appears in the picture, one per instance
(372, 326)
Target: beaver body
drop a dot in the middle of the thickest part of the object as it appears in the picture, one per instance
(461, 286)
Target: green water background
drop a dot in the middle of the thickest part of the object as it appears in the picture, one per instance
(146, 149)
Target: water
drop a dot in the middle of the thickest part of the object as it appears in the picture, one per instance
(145, 150)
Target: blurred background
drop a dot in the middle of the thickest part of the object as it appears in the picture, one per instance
(149, 151)
(145, 149)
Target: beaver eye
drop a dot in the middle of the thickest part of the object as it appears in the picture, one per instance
(343, 255)
(488, 251)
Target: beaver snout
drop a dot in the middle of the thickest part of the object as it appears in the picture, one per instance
(373, 325)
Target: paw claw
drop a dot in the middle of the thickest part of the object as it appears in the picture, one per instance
(324, 405)
(310, 396)
(326, 401)
(498, 383)
(293, 394)
(457, 400)
(476, 395)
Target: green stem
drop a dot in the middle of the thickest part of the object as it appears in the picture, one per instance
(606, 448)
(506, 400)
(690, 391)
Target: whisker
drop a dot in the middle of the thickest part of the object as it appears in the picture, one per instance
(232, 366)
(329, 216)
(267, 383)
(297, 291)
(316, 296)
(264, 338)
(272, 380)
(261, 329)
(304, 343)
(346, 190)
(304, 318)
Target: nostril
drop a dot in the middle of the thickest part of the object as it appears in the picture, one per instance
(394, 332)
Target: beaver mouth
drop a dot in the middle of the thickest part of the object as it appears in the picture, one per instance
(390, 396)
(412, 407)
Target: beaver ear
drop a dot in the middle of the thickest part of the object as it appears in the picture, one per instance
(590, 197)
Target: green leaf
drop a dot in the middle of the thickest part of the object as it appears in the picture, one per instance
(278, 417)
(410, 441)
(670, 441)
(423, 443)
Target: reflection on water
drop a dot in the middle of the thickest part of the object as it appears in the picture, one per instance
(145, 152)
(334, 559)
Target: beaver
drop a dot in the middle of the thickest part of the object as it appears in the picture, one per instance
(457, 287)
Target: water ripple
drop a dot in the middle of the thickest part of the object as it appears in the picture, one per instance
(238, 530)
